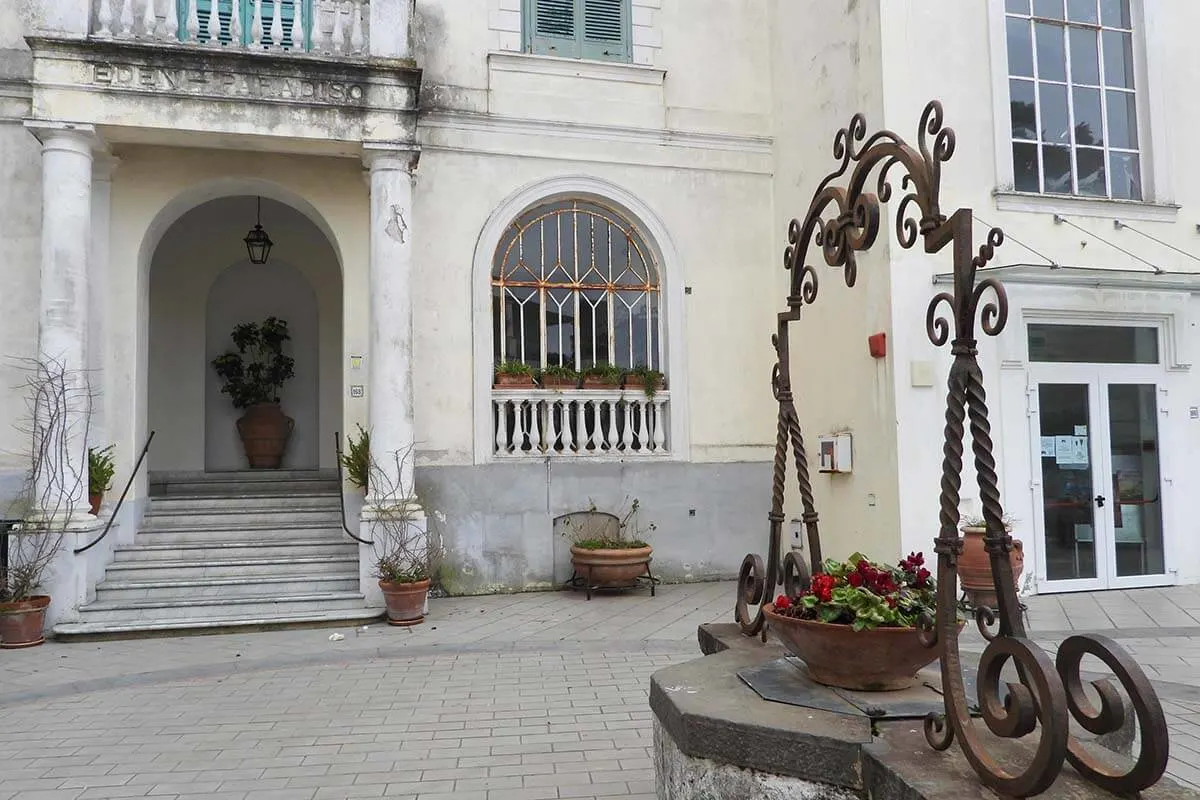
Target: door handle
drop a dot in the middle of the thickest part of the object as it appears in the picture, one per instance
(1099, 501)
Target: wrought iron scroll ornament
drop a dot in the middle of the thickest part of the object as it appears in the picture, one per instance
(843, 220)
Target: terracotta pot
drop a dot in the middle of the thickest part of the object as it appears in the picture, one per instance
(95, 500)
(600, 383)
(878, 660)
(550, 382)
(514, 381)
(611, 567)
(405, 601)
(639, 383)
(975, 567)
(22, 622)
(265, 431)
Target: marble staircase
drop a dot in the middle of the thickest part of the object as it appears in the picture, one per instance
(230, 550)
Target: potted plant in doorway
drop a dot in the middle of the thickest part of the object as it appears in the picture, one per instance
(856, 627)
(253, 377)
(100, 475)
(975, 563)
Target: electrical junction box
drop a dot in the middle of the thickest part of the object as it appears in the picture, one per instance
(836, 453)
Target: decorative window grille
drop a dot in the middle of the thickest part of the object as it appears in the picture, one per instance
(1073, 100)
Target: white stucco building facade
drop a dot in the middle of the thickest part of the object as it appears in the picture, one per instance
(449, 185)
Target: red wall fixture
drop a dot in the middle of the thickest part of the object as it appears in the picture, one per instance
(877, 343)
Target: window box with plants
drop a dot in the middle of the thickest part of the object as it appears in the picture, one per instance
(514, 375)
(100, 475)
(648, 380)
(975, 563)
(559, 377)
(602, 376)
(253, 378)
(856, 626)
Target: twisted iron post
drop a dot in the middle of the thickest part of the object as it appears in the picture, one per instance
(844, 220)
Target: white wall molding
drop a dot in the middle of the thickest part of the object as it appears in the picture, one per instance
(553, 66)
(671, 272)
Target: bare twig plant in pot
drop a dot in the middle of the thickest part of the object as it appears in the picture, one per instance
(608, 550)
(253, 378)
(54, 486)
(406, 554)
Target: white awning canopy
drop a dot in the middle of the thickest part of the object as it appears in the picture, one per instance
(1086, 277)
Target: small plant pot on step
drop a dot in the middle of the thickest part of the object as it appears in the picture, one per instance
(975, 568)
(22, 622)
(95, 500)
(405, 602)
(265, 431)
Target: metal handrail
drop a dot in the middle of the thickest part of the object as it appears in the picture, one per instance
(113, 516)
(337, 444)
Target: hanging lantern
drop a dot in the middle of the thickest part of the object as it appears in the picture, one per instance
(258, 243)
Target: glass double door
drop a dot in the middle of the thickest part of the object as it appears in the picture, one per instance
(1097, 477)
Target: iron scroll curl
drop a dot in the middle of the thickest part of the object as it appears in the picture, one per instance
(843, 219)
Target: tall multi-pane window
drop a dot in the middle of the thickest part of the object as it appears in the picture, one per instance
(574, 284)
(1073, 99)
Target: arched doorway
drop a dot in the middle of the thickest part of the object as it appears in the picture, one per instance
(201, 285)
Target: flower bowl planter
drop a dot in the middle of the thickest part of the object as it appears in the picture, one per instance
(611, 568)
(513, 381)
(22, 622)
(876, 660)
(265, 431)
(975, 567)
(405, 602)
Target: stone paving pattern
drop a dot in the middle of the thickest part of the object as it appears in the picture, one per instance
(518, 696)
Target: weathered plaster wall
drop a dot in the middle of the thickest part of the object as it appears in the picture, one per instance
(827, 63)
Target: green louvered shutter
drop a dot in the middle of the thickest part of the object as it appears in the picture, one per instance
(606, 30)
(552, 28)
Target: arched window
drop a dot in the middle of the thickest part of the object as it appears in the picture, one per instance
(574, 284)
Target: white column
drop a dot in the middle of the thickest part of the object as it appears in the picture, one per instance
(390, 359)
(97, 350)
(63, 316)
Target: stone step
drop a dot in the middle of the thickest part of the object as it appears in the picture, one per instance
(299, 547)
(256, 533)
(279, 587)
(344, 612)
(218, 484)
(191, 504)
(244, 520)
(205, 564)
(263, 608)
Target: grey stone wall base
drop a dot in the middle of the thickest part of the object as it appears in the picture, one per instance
(679, 776)
(715, 738)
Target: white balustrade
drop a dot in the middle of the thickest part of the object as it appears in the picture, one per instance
(573, 423)
(334, 27)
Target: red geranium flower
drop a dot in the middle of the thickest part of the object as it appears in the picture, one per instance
(856, 579)
(782, 603)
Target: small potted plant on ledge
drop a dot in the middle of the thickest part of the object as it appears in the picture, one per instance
(644, 378)
(602, 376)
(100, 475)
(253, 378)
(514, 375)
(975, 563)
(356, 461)
(856, 627)
(608, 551)
(559, 377)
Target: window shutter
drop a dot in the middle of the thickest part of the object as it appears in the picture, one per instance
(552, 28)
(606, 30)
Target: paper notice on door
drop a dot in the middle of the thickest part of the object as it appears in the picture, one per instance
(1081, 430)
(1071, 451)
(1048, 447)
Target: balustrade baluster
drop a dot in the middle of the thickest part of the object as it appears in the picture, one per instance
(339, 33)
(596, 438)
(104, 17)
(256, 26)
(522, 429)
(660, 425)
(126, 9)
(579, 439)
(193, 21)
(501, 410)
(172, 20)
(535, 429)
(235, 26)
(609, 407)
(276, 25)
(627, 436)
(149, 20)
(357, 39)
(297, 35)
(213, 26)
(552, 426)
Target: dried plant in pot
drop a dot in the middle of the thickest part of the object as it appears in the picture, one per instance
(100, 475)
(253, 377)
(602, 376)
(608, 550)
(406, 554)
(514, 375)
(975, 563)
(856, 627)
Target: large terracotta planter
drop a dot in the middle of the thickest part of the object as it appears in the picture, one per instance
(265, 431)
(882, 659)
(22, 622)
(405, 602)
(975, 568)
(610, 567)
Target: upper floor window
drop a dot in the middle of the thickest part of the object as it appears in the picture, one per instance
(592, 29)
(1072, 97)
(575, 285)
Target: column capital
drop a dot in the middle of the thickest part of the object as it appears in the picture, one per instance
(103, 166)
(77, 137)
(390, 156)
